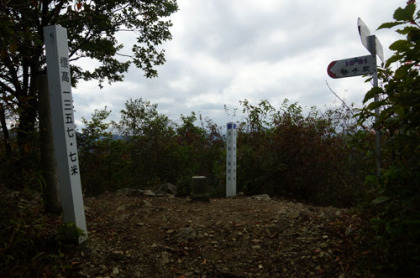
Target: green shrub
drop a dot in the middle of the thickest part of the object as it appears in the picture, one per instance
(313, 158)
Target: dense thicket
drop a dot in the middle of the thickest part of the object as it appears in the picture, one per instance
(322, 157)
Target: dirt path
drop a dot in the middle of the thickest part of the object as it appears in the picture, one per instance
(138, 236)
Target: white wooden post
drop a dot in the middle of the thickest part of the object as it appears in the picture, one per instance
(231, 160)
(64, 129)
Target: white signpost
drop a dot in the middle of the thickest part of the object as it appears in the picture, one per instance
(231, 160)
(64, 129)
(361, 66)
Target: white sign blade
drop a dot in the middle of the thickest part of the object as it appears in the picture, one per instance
(352, 67)
(64, 129)
(364, 32)
(379, 49)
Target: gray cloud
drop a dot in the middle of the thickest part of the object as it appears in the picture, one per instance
(226, 51)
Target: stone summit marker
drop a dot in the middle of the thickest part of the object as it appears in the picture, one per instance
(64, 129)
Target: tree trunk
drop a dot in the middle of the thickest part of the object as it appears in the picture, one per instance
(6, 138)
(48, 169)
(25, 133)
(28, 159)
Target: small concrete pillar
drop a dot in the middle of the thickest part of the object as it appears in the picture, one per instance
(199, 189)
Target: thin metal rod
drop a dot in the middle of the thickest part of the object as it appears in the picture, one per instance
(372, 50)
(377, 130)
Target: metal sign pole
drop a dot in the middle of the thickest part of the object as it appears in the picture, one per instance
(361, 66)
(372, 49)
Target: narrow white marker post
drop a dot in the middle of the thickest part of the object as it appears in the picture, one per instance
(231, 160)
(64, 129)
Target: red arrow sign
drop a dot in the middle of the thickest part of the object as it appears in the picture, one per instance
(352, 67)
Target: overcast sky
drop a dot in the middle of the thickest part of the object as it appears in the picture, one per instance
(224, 51)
